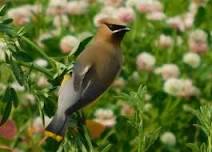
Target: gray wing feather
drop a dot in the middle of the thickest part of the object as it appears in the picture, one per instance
(70, 92)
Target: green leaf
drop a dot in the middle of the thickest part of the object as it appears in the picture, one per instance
(22, 56)
(7, 95)
(7, 30)
(7, 21)
(193, 147)
(3, 10)
(18, 73)
(107, 148)
(14, 97)
(82, 45)
(10, 96)
(8, 107)
(49, 107)
(6, 113)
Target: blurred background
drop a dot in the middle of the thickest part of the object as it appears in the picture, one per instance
(159, 103)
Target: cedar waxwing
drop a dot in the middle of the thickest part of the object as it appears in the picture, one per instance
(94, 71)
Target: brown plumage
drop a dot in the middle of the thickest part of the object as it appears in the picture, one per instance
(94, 71)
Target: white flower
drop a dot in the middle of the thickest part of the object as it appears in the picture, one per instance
(37, 124)
(57, 7)
(30, 98)
(119, 83)
(42, 81)
(17, 86)
(147, 107)
(60, 21)
(77, 7)
(132, 3)
(192, 59)
(168, 71)
(188, 20)
(3, 48)
(173, 86)
(106, 117)
(69, 43)
(98, 18)
(181, 88)
(2, 87)
(168, 138)
(114, 3)
(108, 10)
(145, 61)
(41, 62)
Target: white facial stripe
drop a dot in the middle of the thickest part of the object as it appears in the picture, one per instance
(122, 29)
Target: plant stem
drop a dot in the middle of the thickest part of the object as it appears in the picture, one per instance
(35, 67)
(45, 56)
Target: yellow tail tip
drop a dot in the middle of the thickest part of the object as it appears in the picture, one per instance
(56, 137)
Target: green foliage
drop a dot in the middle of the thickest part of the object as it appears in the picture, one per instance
(205, 118)
(24, 99)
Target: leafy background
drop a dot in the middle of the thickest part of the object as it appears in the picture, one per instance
(25, 102)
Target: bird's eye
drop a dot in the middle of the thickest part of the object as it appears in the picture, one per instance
(113, 27)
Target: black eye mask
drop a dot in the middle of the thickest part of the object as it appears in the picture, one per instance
(114, 27)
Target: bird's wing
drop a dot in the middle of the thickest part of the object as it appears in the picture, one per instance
(69, 93)
(89, 86)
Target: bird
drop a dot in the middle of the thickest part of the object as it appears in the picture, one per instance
(95, 69)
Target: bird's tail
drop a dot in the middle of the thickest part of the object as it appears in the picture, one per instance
(56, 128)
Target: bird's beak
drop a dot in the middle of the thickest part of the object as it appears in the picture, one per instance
(126, 29)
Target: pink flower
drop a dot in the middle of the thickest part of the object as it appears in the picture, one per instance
(8, 130)
(145, 61)
(125, 14)
(68, 43)
(188, 89)
(176, 23)
(165, 41)
(150, 6)
(127, 110)
(21, 15)
(77, 7)
(168, 71)
(198, 41)
(156, 16)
